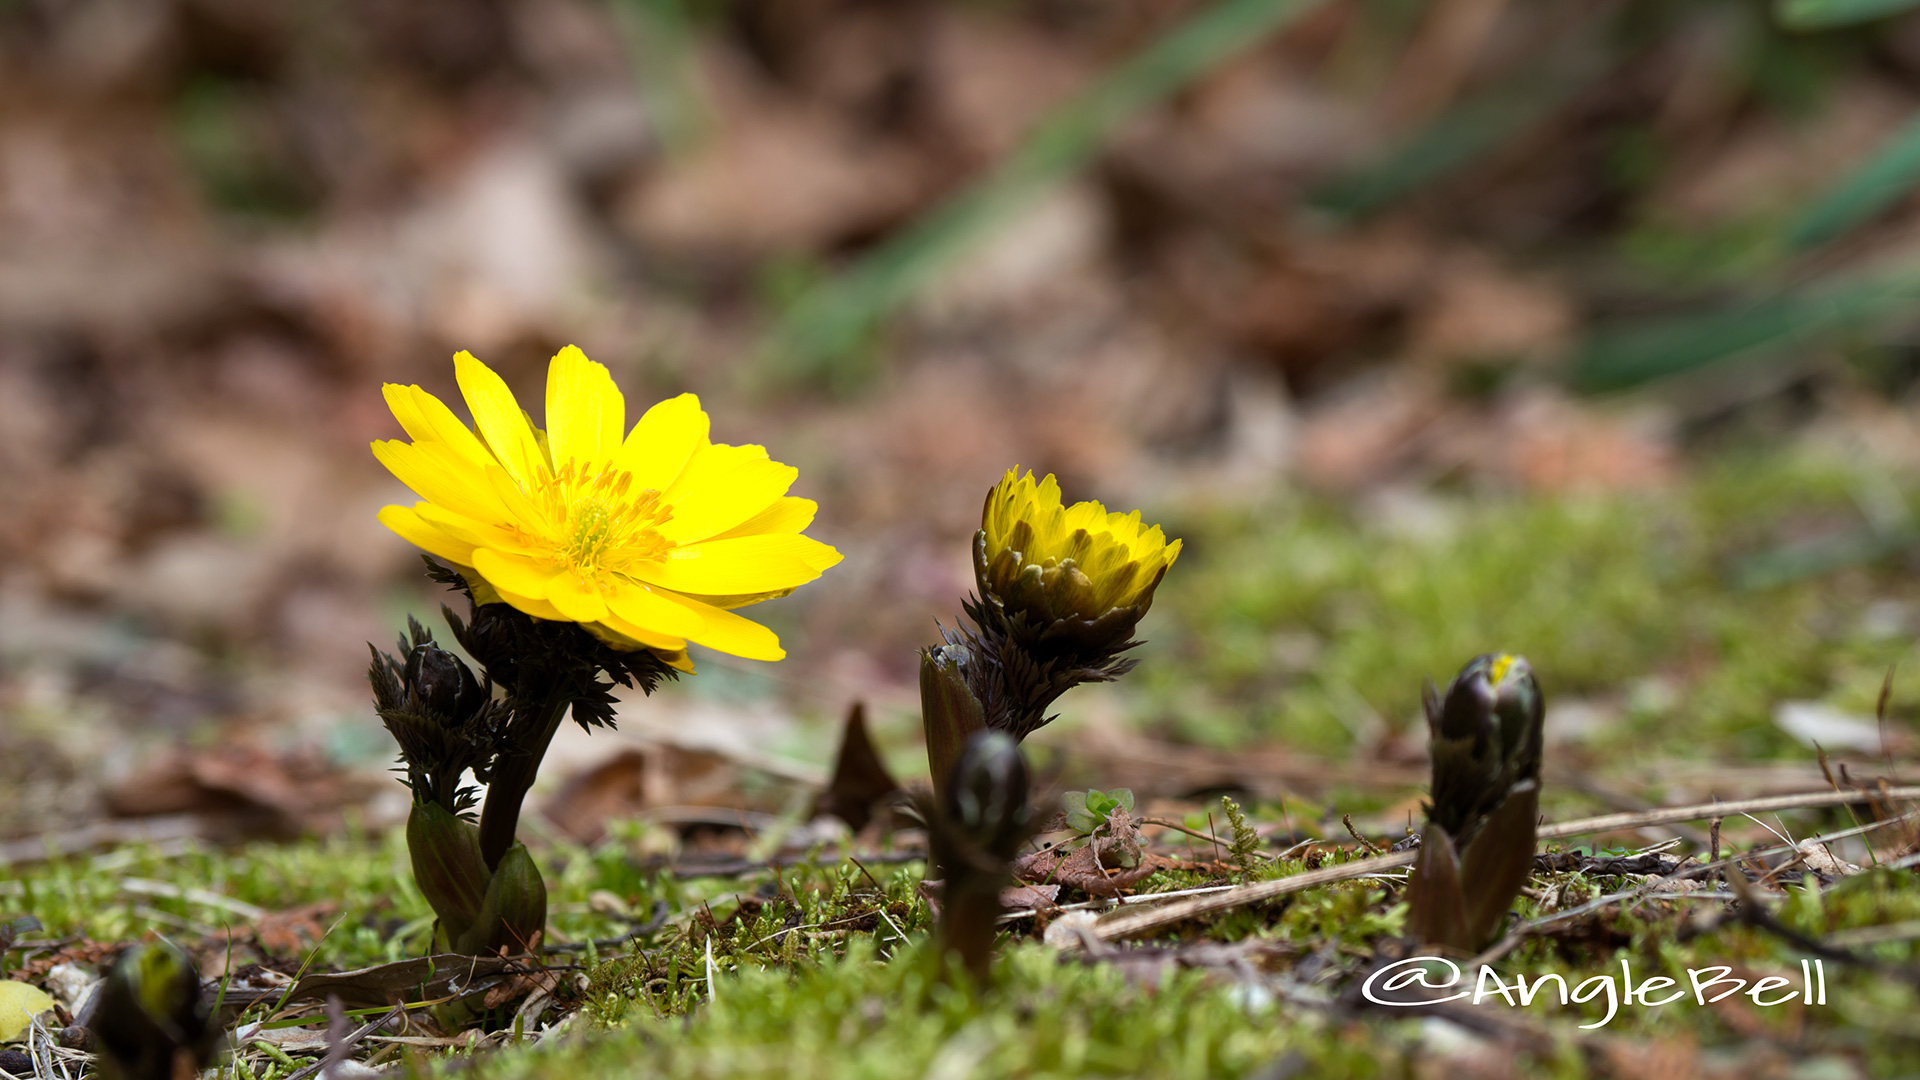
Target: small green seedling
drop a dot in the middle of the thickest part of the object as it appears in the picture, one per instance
(1088, 811)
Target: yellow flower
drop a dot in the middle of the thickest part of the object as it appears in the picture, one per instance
(1065, 579)
(646, 538)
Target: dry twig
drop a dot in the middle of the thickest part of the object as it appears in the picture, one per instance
(1135, 923)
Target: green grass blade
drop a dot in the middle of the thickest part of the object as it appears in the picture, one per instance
(827, 324)
(1888, 175)
(1822, 14)
(1455, 139)
(1815, 558)
(1616, 359)
(659, 36)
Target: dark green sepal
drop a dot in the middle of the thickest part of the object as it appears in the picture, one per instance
(949, 710)
(513, 911)
(447, 866)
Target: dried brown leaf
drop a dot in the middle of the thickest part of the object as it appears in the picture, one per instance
(860, 778)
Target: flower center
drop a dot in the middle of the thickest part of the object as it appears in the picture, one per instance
(599, 522)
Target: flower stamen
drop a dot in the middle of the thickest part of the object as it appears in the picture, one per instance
(600, 523)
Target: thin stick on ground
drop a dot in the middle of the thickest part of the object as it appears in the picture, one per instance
(1654, 888)
(1134, 923)
(1372, 848)
(338, 1051)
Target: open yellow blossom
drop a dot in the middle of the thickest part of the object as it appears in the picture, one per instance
(646, 538)
(1110, 560)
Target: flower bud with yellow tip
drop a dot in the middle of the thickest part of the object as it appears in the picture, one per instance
(1478, 846)
(151, 1021)
(1485, 739)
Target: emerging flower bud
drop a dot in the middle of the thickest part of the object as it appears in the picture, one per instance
(974, 830)
(1061, 592)
(1485, 740)
(443, 718)
(440, 683)
(1477, 849)
(151, 1022)
(986, 800)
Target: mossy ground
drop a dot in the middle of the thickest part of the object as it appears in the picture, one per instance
(1689, 612)
(1695, 608)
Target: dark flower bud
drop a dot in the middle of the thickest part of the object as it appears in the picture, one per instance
(1485, 737)
(151, 1021)
(986, 799)
(440, 683)
(443, 718)
(974, 831)
(1477, 849)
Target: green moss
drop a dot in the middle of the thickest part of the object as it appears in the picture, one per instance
(821, 970)
(854, 1015)
(1313, 625)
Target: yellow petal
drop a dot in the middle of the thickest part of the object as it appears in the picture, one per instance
(539, 609)
(577, 597)
(429, 469)
(501, 422)
(710, 464)
(660, 612)
(450, 429)
(627, 637)
(586, 414)
(400, 402)
(19, 1004)
(660, 444)
(520, 510)
(729, 633)
(1105, 557)
(737, 600)
(744, 564)
(788, 514)
(721, 502)
(515, 573)
(469, 531)
(406, 521)
(426, 419)
(1090, 516)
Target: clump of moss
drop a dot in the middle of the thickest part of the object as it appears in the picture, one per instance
(1308, 623)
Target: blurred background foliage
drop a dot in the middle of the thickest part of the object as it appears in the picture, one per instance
(1580, 328)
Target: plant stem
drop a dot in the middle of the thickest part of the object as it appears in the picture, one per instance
(970, 921)
(513, 777)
